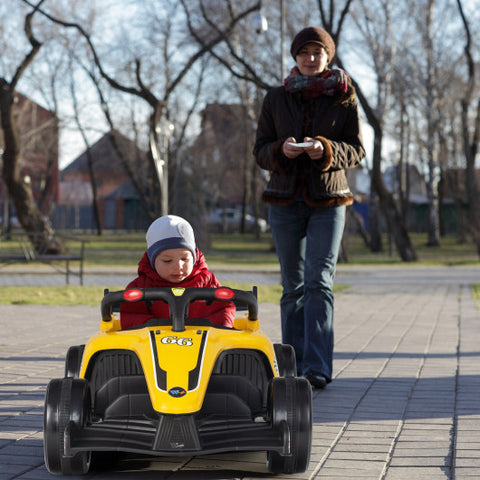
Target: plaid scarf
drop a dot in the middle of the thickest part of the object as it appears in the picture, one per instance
(329, 82)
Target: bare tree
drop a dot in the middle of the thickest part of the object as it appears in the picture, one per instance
(157, 104)
(154, 85)
(471, 134)
(379, 43)
(427, 89)
(381, 54)
(209, 27)
(91, 172)
(403, 174)
(29, 215)
(431, 118)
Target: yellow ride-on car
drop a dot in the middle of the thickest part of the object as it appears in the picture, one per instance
(178, 387)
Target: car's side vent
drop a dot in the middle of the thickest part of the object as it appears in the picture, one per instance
(251, 364)
(107, 364)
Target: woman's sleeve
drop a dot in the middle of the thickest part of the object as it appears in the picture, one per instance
(268, 147)
(349, 151)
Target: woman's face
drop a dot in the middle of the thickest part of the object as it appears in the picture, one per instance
(312, 59)
(174, 264)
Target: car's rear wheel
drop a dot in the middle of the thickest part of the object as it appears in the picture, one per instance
(286, 361)
(290, 401)
(73, 361)
(66, 400)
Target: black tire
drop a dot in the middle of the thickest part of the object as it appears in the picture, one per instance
(290, 400)
(73, 361)
(66, 400)
(286, 360)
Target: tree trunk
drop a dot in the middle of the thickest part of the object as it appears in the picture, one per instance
(93, 183)
(404, 164)
(376, 243)
(432, 153)
(29, 215)
(433, 212)
(387, 202)
(392, 214)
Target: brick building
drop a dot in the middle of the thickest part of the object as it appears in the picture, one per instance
(118, 202)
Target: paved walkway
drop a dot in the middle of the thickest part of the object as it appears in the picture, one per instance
(404, 403)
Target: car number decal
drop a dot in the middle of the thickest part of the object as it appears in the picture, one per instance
(183, 342)
(175, 341)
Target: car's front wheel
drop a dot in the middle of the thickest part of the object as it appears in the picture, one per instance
(66, 400)
(290, 401)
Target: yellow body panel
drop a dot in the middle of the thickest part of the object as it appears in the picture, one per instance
(177, 365)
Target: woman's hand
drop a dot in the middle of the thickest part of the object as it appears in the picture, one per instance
(290, 150)
(315, 152)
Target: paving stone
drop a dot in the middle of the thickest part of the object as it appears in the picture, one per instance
(419, 473)
(396, 406)
(421, 461)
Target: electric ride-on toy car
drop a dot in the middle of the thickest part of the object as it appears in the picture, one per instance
(178, 387)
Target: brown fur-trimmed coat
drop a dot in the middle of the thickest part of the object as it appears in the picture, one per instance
(335, 123)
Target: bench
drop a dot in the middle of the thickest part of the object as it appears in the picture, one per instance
(17, 248)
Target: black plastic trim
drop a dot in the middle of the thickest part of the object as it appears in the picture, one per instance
(140, 437)
(194, 375)
(161, 374)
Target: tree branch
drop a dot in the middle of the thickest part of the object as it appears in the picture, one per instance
(224, 36)
(33, 42)
(142, 92)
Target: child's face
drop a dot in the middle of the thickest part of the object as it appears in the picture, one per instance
(174, 264)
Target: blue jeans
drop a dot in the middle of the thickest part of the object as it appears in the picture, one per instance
(308, 241)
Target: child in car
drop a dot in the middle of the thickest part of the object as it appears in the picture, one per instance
(172, 259)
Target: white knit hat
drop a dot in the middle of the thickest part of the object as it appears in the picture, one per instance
(167, 232)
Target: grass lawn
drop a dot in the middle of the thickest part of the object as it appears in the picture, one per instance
(476, 292)
(243, 250)
(125, 249)
(92, 295)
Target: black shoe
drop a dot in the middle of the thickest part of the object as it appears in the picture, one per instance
(316, 381)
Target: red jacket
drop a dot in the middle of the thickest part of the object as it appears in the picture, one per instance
(137, 313)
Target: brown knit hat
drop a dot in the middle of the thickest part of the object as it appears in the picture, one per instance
(313, 35)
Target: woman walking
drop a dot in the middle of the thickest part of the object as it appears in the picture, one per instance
(308, 134)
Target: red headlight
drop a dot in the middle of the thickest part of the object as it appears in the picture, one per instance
(132, 295)
(224, 293)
